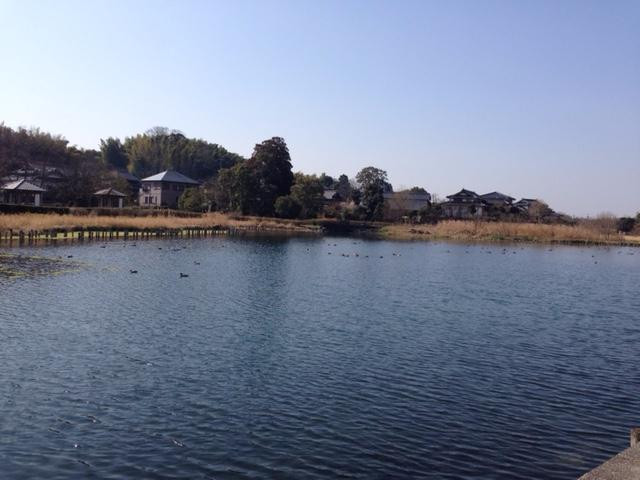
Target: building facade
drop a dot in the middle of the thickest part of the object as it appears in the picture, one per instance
(464, 204)
(164, 189)
(21, 192)
(398, 204)
(109, 198)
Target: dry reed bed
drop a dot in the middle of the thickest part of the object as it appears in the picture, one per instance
(506, 231)
(446, 230)
(42, 222)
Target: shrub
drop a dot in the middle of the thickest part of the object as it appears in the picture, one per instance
(626, 224)
(287, 207)
(192, 199)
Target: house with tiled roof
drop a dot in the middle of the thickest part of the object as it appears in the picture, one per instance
(464, 204)
(497, 199)
(164, 189)
(109, 198)
(21, 192)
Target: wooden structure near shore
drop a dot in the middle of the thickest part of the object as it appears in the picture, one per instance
(82, 234)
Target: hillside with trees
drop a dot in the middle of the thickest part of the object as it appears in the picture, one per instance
(160, 149)
(71, 174)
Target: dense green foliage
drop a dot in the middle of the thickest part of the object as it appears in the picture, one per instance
(113, 153)
(307, 191)
(343, 187)
(24, 148)
(327, 180)
(430, 214)
(287, 207)
(373, 183)
(41, 156)
(252, 187)
(234, 189)
(192, 199)
(161, 149)
(262, 185)
(626, 224)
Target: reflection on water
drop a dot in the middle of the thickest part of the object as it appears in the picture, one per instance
(286, 358)
(12, 265)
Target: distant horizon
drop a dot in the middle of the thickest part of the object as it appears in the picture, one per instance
(537, 100)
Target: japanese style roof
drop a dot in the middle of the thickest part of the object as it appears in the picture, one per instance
(22, 185)
(408, 195)
(497, 195)
(464, 193)
(109, 192)
(170, 176)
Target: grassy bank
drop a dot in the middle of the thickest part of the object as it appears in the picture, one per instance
(463, 231)
(470, 231)
(43, 222)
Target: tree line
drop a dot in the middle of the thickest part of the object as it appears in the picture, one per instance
(263, 184)
(160, 149)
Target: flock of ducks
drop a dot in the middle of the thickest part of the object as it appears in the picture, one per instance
(503, 251)
(181, 274)
(356, 254)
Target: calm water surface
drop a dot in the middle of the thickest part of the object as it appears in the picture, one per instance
(276, 360)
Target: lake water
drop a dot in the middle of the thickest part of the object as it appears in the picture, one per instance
(274, 359)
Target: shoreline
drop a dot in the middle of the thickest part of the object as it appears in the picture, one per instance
(503, 232)
(35, 228)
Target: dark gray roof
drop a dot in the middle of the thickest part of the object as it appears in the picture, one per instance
(170, 176)
(407, 195)
(128, 176)
(464, 193)
(22, 185)
(499, 195)
(109, 192)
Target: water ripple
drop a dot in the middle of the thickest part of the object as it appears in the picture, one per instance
(274, 360)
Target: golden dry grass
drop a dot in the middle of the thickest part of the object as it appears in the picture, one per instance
(506, 231)
(41, 222)
(445, 230)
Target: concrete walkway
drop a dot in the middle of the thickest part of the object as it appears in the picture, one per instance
(624, 466)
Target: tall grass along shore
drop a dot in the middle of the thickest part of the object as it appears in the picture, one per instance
(459, 230)
(37, 222)
(13, 225)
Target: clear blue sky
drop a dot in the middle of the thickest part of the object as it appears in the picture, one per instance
(531, 98)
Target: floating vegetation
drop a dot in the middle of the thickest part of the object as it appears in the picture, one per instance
(12, 266)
